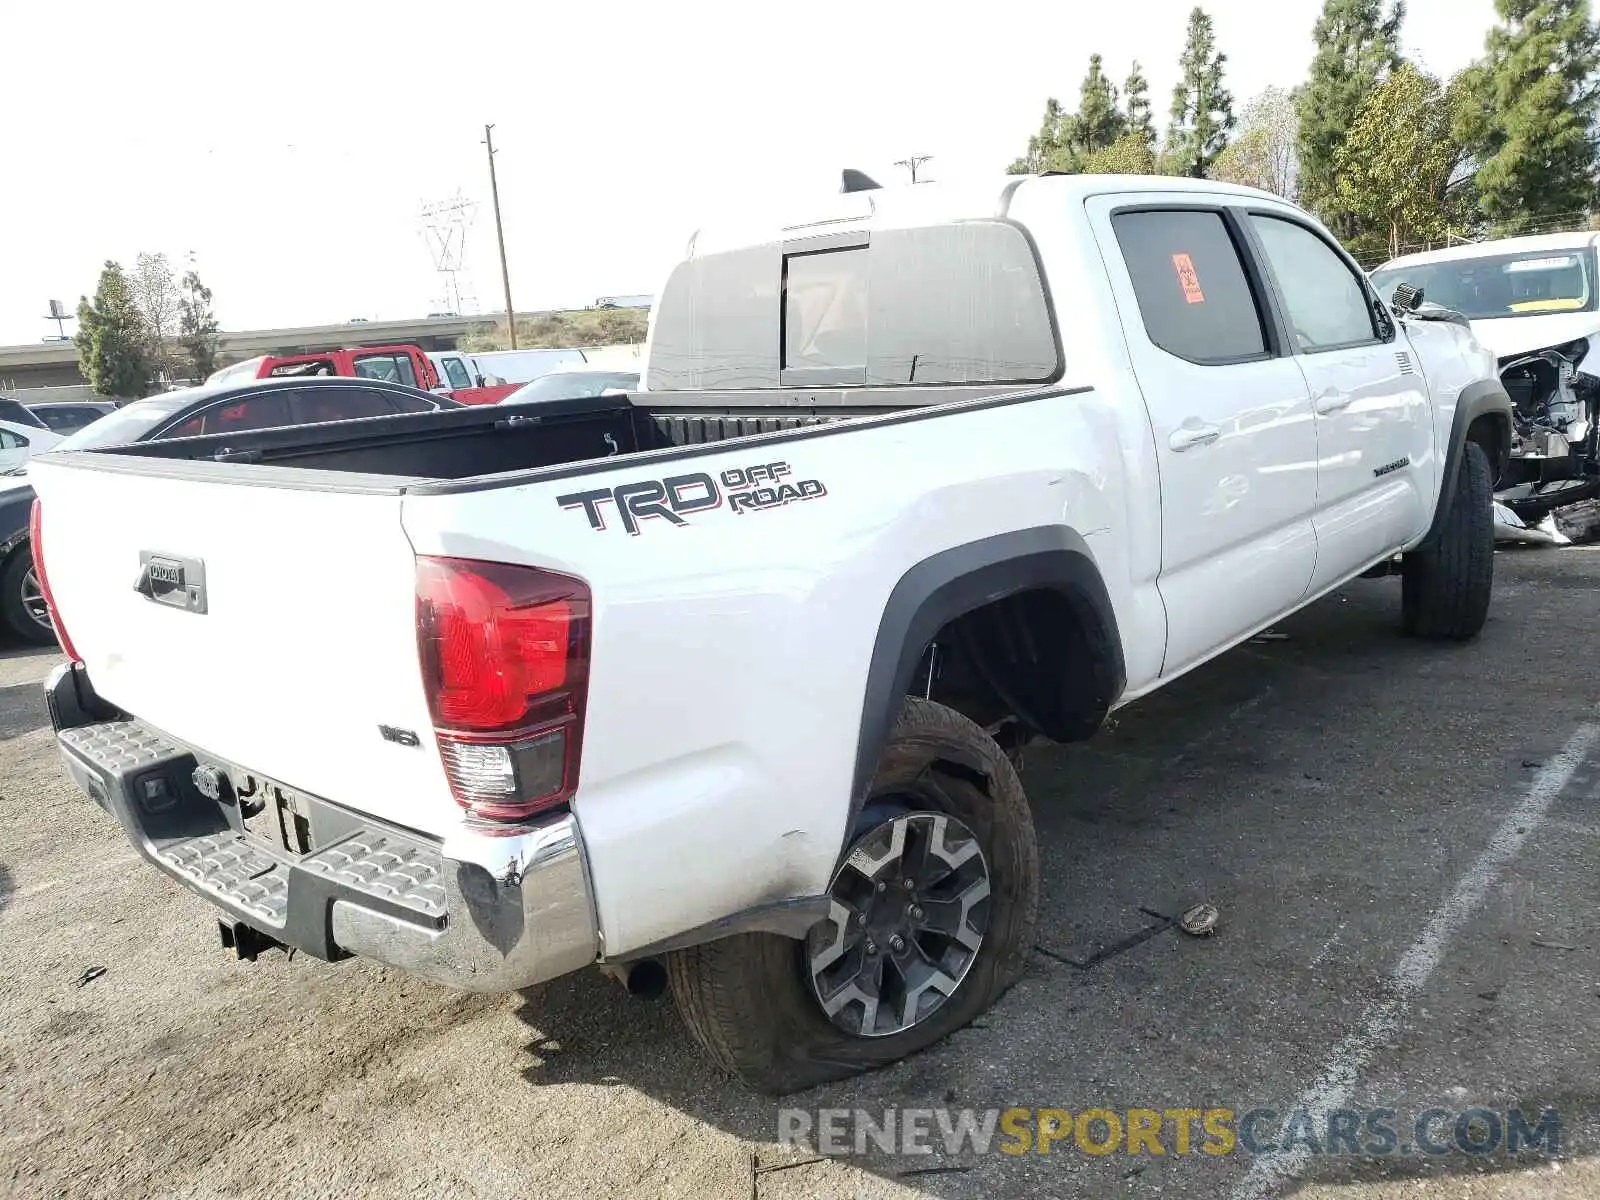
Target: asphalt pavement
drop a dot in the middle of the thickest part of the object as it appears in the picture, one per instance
(1401, 840)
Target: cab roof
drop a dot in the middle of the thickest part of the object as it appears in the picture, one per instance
(936, 203)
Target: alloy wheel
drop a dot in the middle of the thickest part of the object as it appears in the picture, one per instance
(908, 912)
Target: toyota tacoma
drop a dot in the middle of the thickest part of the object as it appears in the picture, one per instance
(718, 685)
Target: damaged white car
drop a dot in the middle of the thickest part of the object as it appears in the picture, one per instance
(1533, 302)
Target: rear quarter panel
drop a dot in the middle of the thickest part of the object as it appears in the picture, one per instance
(731, 652)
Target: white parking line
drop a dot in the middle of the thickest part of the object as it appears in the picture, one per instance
(1382, 1019)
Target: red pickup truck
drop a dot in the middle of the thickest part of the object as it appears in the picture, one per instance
(395, 364)
(465, 378)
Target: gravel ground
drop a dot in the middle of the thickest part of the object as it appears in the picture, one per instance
(1401, 840)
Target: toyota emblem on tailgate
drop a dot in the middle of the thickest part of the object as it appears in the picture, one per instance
(173, 581)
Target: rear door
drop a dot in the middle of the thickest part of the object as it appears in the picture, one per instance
(1235, 440)
(1374, 422)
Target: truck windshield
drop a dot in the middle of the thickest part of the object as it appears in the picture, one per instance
(1501, 285)
(130, 423)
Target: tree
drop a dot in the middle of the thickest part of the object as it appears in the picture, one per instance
(1202, 108)
(1046, 149)
(1400, 166)
(1534, 131)
(111, 339)
(1262, 154)
(1128, 155)
(1098, 123)
(156, 297)
(1140, 113)
(1356, 47)
(197, 327)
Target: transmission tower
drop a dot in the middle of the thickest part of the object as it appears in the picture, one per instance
(913, 163)
(444, 230)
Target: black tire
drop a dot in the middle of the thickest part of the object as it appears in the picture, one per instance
(747, 1000)
(1445, 588)
(13, 607)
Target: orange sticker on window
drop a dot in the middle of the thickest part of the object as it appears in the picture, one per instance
(1188, 279)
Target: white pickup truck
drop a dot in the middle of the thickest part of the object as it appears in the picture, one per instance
(716, 686)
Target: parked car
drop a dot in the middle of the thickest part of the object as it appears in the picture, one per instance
(19, 443)
(69, 416)
(402, 364)
(187, 412)
(490, 377)
(573, 383)
(716, 684)
(18, 413)
(1535, 303)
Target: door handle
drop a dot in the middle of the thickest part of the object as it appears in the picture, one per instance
(1187, 437)
(1331, 402)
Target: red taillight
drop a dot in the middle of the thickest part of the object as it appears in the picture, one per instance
(36, 546)
(505, 664)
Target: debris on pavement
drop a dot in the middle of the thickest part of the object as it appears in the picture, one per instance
(1271, 635)
(1561, 525)
(1199, 920)
(1508, 527)
(1580, 522)
(90, 974)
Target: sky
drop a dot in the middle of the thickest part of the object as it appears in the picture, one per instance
(289, 149)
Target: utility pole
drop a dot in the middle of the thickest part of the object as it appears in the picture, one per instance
(912, 163)
(500, 233)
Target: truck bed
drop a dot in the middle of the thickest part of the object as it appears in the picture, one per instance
(732, 662)
(470, 444)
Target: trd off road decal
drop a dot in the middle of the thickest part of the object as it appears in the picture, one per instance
(744, 489)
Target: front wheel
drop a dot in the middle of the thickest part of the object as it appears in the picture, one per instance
(930, 916)
(22, 603)
(1445, 588)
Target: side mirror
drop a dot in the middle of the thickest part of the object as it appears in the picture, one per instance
(492, 381)
(1407, 299)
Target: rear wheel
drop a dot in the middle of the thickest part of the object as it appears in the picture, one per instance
(930, 917)
(22, 603)
(1445, 588)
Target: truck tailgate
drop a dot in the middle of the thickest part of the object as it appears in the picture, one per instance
(306, 644)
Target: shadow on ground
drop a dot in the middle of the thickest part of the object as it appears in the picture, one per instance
(1325, 788)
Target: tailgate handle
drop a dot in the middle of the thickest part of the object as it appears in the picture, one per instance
(172, 581)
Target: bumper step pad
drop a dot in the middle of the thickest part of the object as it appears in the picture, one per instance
(396, 869)
(376, 868)
(234, 870)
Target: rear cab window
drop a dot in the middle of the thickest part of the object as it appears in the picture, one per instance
(1189, 278)
(956, 303)
(393, 368)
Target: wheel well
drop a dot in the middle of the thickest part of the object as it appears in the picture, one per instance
(1493, 432)
(1041, 660)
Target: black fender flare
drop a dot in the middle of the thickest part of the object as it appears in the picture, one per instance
(955, 582)
(1487, 397)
